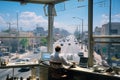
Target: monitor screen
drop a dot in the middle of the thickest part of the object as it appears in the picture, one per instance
(45, 56)
(83, 61)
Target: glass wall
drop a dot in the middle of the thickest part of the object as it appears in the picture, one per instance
(24, 30)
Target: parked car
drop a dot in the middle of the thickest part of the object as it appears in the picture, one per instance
(22, 61)
(61, 44)
(36, 50)
(80, 54)
(69, 43)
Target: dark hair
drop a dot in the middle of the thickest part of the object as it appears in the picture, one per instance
(57, 48)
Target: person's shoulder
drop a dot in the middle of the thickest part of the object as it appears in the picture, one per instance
(61, 55)
(52, 54)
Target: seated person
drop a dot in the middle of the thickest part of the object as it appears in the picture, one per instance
(58, 58)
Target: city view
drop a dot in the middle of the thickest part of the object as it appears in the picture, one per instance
(29, 28)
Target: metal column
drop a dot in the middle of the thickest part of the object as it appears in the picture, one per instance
(109, 45)
(13, 74)
(50, 27)
(90, 33)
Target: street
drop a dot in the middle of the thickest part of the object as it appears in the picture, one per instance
(17, 71)
(71, 47)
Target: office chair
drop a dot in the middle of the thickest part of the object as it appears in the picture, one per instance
(57, 72)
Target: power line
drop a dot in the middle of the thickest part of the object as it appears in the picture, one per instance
(101, 3)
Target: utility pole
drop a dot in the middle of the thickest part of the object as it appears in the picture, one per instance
(82, 31)
(9, 26)
(17, 34)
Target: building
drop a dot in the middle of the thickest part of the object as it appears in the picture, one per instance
(97, 46)
(115, 29)
(39, 31)
(11, 41)
(113, 48)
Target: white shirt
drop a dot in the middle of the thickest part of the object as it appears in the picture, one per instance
(58, 57)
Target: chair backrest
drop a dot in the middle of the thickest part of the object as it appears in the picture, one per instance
(55, 64)
(56, 69)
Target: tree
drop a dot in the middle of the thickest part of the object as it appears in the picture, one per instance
(24, 43)
(43, 41)
(6, 30)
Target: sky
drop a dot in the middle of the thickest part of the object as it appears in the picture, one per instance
(32, 15)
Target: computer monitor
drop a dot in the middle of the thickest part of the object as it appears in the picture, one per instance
(45, 56)
(83, 62)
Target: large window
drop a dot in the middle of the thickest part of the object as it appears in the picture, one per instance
(24, 30)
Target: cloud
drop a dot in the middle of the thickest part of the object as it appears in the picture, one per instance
(1, 20)
(117, 16)
(69, 28)
(104, 16)
(3, 24)
(30, 19)
(114, 18)
(105, 19)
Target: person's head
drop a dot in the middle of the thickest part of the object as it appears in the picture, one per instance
(57, 48)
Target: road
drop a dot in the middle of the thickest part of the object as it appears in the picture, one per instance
(17, 72)
(71, 48)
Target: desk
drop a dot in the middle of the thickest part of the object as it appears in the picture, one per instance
(88, 74)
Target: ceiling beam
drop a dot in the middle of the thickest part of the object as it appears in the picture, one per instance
(38, 1)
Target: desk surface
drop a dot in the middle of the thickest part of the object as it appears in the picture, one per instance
(91, 71)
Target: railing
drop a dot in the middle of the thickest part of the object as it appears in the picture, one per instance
(106, 37)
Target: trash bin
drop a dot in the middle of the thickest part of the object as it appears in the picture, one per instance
(43, 72)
